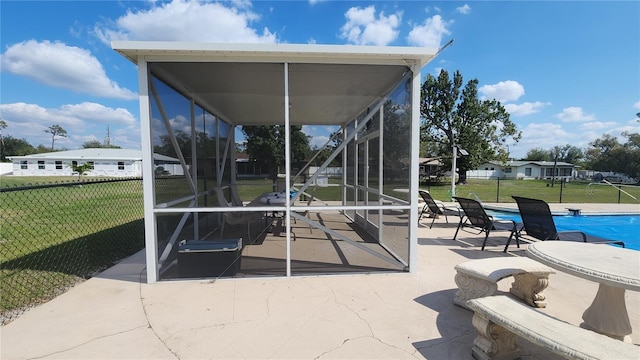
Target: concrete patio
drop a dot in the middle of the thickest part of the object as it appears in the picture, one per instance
(116, 315)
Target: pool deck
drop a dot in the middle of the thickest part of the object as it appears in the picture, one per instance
(116, 315)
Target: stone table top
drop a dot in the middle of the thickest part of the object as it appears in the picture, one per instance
(605, 264)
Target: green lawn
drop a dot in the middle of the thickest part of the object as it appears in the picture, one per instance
(486, 191)
(53, 237)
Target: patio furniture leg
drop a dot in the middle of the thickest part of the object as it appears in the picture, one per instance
(493, 341)
(529, 286)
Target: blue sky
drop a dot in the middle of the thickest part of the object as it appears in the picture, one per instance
(568, 71)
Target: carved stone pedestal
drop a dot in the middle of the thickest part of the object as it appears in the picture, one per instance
(493, 342)
(528, 287)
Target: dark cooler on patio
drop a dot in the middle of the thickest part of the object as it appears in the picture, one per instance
(209, 258)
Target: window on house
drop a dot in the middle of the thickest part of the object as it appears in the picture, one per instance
(23, 165)
(40, 164)
(58, 165)
(507, 171)
(91, 163)
(120, 165)
(527, 171)
(74, 163)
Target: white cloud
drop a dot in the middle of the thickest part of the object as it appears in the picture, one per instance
(597, 125)
(88, 111)
(503, 91)
(30, 120)
(540, 135)
(464, 9)
(59, 65)
(184, 20)
(363, 28)
(637, 105)
(429, 34)
(537, 131)
(574, 114)
(37, 116)
(525, 108)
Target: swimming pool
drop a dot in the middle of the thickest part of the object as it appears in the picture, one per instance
(615, 227)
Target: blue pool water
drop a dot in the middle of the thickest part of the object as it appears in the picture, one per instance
(615, 227)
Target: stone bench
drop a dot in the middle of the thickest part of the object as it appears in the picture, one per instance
(499, 320)
(479, 278)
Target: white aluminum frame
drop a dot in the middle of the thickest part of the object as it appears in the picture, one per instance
(142, 53)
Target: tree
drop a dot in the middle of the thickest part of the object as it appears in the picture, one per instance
(538, 154)
(567, 153)
(166, 146)
(3, 125)
(322, 154)
(41, 149)
(571, 154)
(453, 117)
(17, 147)
(81, 169)
(265, 145)
(95, 144)
(607, 154)
(55, 130)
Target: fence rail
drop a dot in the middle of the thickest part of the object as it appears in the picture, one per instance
(55, 235)
(573, 191)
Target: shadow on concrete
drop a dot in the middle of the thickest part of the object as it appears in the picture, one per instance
(453, 324)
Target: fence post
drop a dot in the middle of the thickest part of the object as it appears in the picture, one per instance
(561, 186)
(498, 191)
(619, 193)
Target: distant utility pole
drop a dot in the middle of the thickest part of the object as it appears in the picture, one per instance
(3, 125)
(107, 140)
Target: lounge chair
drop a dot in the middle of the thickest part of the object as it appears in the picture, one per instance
(435, 208)
(476, 217)
(539, 224)
(235, 218)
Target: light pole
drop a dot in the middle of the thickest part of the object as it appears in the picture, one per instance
(453, 167)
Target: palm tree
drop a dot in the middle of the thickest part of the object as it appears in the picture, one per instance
(55, 130)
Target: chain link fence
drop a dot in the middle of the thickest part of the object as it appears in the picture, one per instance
(55, 235)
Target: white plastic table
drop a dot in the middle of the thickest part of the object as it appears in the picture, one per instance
(614, 268)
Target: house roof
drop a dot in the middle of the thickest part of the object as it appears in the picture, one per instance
(517, 163)
(93, 154)
(430, 161)
(244, 83)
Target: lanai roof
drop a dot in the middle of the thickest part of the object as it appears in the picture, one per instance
(244, 83)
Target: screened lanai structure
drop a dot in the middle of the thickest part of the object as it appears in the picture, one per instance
(352, 211)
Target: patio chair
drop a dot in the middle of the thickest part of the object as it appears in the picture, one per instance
(435, 208)
(476, 217)
(311, 197)
(539, 224)
(235, 196)
(235, 218)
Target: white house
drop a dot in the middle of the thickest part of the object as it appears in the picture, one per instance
(524, 170)
(106, 162)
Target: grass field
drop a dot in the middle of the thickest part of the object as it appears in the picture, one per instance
(53, 237)
(487, 191)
